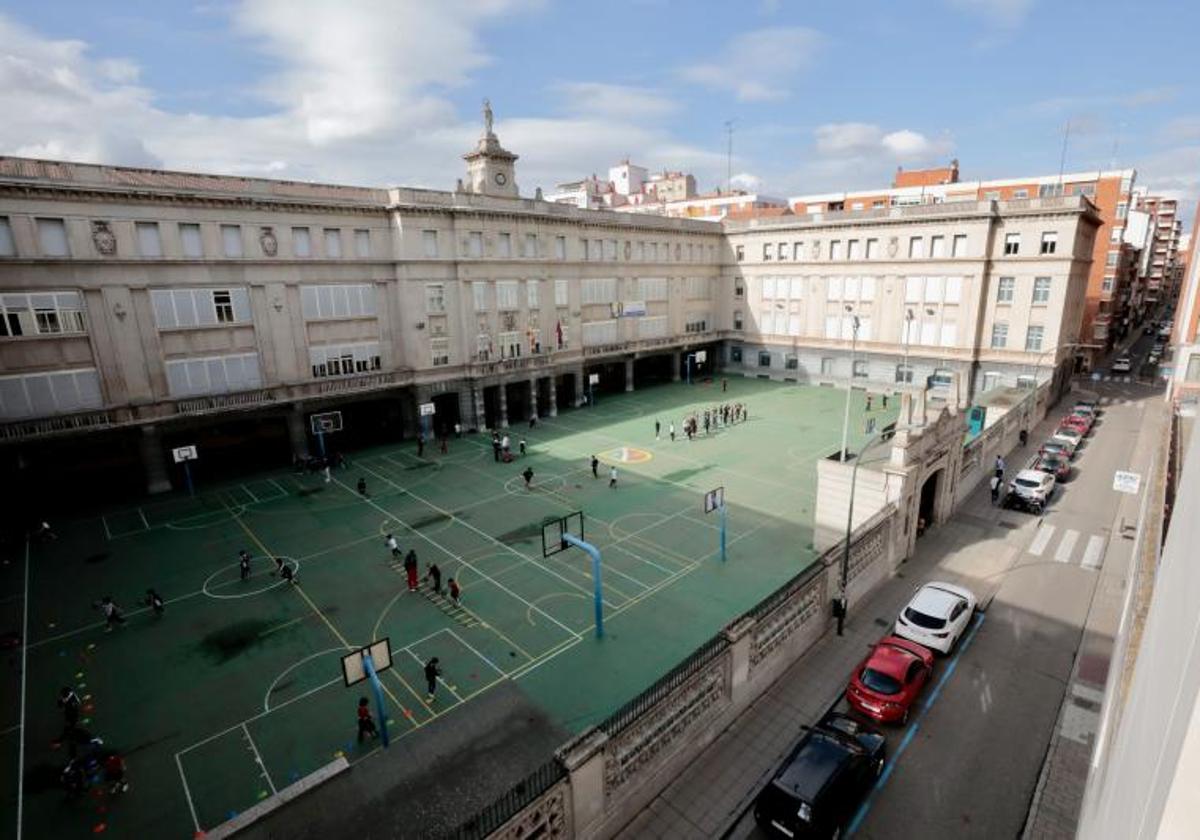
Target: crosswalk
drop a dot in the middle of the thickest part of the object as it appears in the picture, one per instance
(1064, 550)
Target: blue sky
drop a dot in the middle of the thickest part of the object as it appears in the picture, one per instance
(824, 95)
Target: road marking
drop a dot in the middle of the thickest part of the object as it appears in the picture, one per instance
(1063, 555)
(1093, 555)
(1087, 693)
(1041, 540)
(24, 671)
(258, 759)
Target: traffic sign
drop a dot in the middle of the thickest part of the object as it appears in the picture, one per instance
(1126, 482)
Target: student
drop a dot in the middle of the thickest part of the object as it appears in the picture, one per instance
(390, 542)
(505, 445)
(528, 476)
(533, 420)
(432, 672)
(612, 476)
(278, 565)
(724, 385)
(495, 447)
(287, 573)
(421, 445)
(155, 602)
(657, 428)
(362, 487)
(999, 467)
(435, 574)
(69, 702)
(366, 724)
(458, 430)
(112, 613)
(244, 564)
(455, 592)
(522, 446)
(595, 467)
(445, 446)
(410, 569)
(671, 430)
(995, 484)
(868, 402)
(114, 773)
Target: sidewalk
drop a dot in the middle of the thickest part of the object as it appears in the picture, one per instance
(708, 798)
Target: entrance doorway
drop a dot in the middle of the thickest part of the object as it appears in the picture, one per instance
(928, 507)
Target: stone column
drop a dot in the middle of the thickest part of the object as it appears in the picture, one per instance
(629, 374)
(297, 432)
(466, 406)
(677, 361)
(480, 406)
(584, 760)
(580, 387)
(154, 461)
(503, 403)
(740, 637)
(533, 397)
(553, 395)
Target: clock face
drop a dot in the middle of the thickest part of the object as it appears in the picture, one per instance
(501, 178)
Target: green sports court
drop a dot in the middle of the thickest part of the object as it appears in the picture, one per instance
(237, 690)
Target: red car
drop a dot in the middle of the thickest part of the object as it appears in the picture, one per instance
(1079, 422)
(888, 681)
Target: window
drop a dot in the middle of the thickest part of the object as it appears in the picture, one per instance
(826, 366)
(1033, 337)
(435, 297)
(735, 354)
(768, 288)
(992, 379)
(913, 289)
(531, 293)
(739, 252)
(949, 335)
(695, 322)
(345, 359)
(52, 237)
(597, 249)
(904, 373)
(561, 292)
(301, 242)
(479, 294)
(439, 351)
(652, 327)
(41, 394)
(698, 288)
(1192, 374)
(583, 249)
(1122, 209)
(833, 326)
(916, 248)
(333, 243)
(860, 369)
(1026, 380)
(1012, 244)
(797, 288)
(362, 243)
(213, 374)
(610, 249)
(429, 243)
(999, 335)
(640, 251)
(503, 246)
(991, 195)
(175, 308)
(1041, 290)
(1107, 285)
(1020, 194)
(797, 251)
(766, 322)
(8, 247)
(1004, 290)
(560, 247)
(959, 246)
(191, 241)
(42, 313)
(507, 295)
(953, 293)
(599, 332)
(937, 247)
(737, 319)
(933, 289)
(475, 243)
(739, 288)
(764, 359)
(1048, 190)
(652, 247)
(599, 290)
(835, 249)
(872, 249)
(1116, 234)
(652, 288)
(766, 252)
(231, 240)
(530, 249)
(149, 241)
(341, 301)
(1049, 242)
(852, 252)
(781, 250)
(866, 289)
(1112, 259)
(833, 288)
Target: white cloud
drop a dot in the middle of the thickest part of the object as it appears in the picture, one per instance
(601, 100)
(746, 181)
(1006, 14)
(758, 65)
(856, 140)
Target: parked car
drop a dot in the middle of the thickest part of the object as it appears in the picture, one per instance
(821, 784)
(1068, 434)
(1030, 490)
(887, 682)
(1088, 410)
(937, 616)
(1123, 364)
(1164, 331)
(1153, 358)
(1081, 423)
(1090, 403)
(1149, 329)
(1058, 447)
(1058, 466)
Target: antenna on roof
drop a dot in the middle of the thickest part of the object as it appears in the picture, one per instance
(729, 156)
(1062, 160)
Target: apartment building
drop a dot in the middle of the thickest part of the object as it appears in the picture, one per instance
(1186, 336)
(1159, 268)
(1107, 314)
(629, 187)
(983, 293)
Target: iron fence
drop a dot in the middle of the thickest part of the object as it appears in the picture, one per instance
(491, 817)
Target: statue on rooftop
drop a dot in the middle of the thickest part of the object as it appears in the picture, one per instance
(487, 118)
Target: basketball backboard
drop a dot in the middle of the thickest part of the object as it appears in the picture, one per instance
(325, 422)
(353, 669)
(427, 409)
(553, 527)
(714, 499)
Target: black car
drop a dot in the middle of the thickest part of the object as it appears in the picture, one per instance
(821, 784)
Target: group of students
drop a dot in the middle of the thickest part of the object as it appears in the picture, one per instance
(366, 723)
(96, 758)
(114, 616)
(288, 573)
(502, 447)
(725, 414)
(432, 572)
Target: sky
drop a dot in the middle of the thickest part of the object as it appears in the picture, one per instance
(822, 96)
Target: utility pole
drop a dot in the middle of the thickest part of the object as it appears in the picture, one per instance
(1062, 160)
(728, 155)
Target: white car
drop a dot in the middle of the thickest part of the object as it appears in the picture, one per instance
(1067, 435)
(1124, 364)
(1032, 489)
(937, 616)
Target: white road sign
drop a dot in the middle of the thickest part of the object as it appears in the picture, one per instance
(1126, 482)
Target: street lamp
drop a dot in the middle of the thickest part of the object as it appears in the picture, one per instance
(909, 317)
(850, 383)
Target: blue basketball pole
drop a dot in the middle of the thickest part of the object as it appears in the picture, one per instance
(722, 531)
(689, 368)
(321, 442)
(594, 553)
(187, 476)
(377, 689)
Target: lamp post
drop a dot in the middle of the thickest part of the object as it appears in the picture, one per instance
(850, 381)
(908, 320)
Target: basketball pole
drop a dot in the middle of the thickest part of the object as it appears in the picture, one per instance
(722, 528)
(377, 690)
(187, 476)
(594, 553)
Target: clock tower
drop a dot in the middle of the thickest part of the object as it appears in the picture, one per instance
(490, 167)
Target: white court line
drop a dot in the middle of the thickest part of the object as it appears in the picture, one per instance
(107, 533)
(258, 758)
(282, 491)
(145, 522)
(1041, 540)
(24, 671)
(439, 679)
(468, 646)
(249, 493)
(1063, 555)
(187, 793)
(629, 553)
(1094, 553)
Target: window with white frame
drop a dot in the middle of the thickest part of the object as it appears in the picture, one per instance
(833, 288)
(599, 332)
(1107, 284)
(833, 326)
(1049, 242)
(1041, 290)
(652, 288)
(1033, 337)
(362, 243)
(41, 313)
(561, 293)
(766, 322)
(584, 249)
(340, 301)
(1004, 289)
(43, 394)
(852, 250)
(1122, 209)
(953, 290)
(479, 295)
(737, 319)
(826, 366)
(344, 359)
(231, 240)
(872, 249)
(937, 247)
(652, 326)
(639, 251)
(781, 251)
(1112, 259)
(934, 287)
(597, 249)
(429, 243)
(435, 298)
(507, 295)
(599, 290)
(213, 374)
(439, 351)
(1117, 232)
(850, 288)
(835, 249)
(475, 243)
(766, 251)
(190, 240)
(958, 248)
(699, 288)
(904, 373)
(52, 237)
(949, 334)
(8, 247)
(175, 308)
(861, 369)
(999, 335)
(797, 251)
(916, 248)
(764, 358)
(333, 243)
(148, 239)
(696, 322)
(929, 332)
(796, 290)
(793, 325)
(530, 249)
(866, 289)
(560, 247)
(504, 246)
(1012, 244)
(610, 249)
(531, 293)
(768, 288)
(914, 288)
(301, 242)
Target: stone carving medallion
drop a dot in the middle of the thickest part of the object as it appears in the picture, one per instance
(893, 246)
(104, 239)
(628, 249)
(270, 245)
(816, 249)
